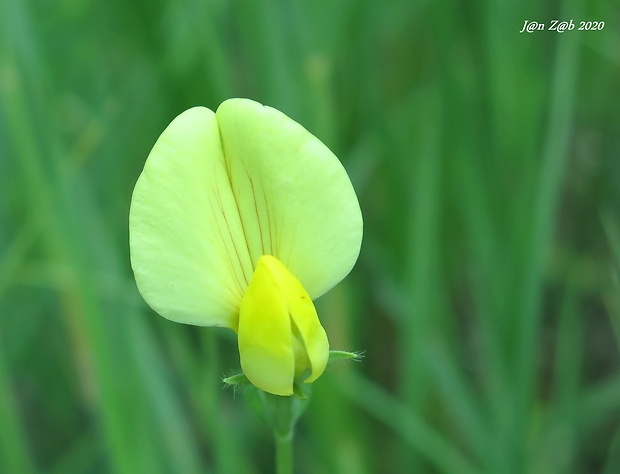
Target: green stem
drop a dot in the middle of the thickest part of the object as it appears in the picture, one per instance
(281, 413)
(284, 452)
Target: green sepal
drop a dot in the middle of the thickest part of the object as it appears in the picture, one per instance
(299, 391)
(254, 399)
(335, 356)
(239, 379)
(281, 412)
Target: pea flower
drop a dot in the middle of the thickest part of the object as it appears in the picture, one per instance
(240, 219)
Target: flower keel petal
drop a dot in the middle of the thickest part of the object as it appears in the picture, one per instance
(280, 336)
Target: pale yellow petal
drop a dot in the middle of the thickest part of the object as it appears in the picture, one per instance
(295, 199)
(188, 248)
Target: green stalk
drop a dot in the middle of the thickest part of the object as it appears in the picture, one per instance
(283, 423)
(281, 414)
(284, 452)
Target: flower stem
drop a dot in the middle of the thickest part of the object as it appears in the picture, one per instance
(284, 453)
(281, 414)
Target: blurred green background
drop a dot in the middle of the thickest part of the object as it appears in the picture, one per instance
(487, 294)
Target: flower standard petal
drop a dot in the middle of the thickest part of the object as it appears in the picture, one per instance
(188, 249)
(295, 199)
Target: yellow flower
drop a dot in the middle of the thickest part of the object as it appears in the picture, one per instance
(240, 219)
